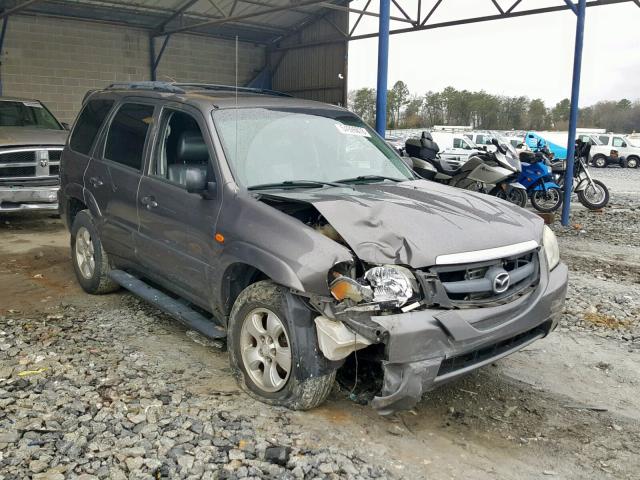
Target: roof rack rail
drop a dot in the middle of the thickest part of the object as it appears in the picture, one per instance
(147, 85)
(230, 88)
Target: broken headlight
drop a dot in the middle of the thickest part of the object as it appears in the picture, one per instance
(391, 283)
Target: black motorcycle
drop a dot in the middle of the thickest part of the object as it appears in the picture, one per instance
(593, 194)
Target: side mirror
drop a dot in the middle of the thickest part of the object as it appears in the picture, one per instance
(196, 180)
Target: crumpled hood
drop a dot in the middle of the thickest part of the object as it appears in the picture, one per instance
(24, 137)
(412, 223)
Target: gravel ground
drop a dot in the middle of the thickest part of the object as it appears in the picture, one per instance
(108, 387)
(602, 252)
(76, 403)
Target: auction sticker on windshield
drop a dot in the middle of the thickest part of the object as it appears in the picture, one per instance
(351, 130)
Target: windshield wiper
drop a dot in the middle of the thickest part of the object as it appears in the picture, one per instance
(364, 178)
(295, 184)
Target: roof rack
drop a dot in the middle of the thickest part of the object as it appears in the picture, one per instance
(155, 86)
(171, 87)
(230, 88)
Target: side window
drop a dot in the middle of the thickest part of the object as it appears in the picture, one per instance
(604, 139)
(618, 142)
(180, 146)
(458, 143)
(88, 125)
(128, 134)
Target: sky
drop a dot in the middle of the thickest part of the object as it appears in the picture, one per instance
(531, 56)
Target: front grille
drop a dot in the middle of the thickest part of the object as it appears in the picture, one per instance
(29, 164)
(8, 172)
(460, 362)
(483, 283)
(25, 156)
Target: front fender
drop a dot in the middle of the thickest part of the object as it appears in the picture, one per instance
(582, 185)
(515, 185)
(273, 267)
(547, 186)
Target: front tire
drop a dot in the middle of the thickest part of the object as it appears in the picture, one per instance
(265, 356)
(595, 196)
(632, 162)
(548, 201)
(517, 196)
(90, 261)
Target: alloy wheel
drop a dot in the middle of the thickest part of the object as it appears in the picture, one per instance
(265, 350)
(85, 253)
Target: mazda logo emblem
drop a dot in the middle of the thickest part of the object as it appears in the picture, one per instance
(501, 282)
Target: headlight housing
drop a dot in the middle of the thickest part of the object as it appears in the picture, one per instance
(551, 249)
(391, 283)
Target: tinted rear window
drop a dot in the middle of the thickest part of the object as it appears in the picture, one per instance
(128, 134)
(88, 125)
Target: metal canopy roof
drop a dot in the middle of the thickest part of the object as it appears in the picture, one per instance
(259, 21)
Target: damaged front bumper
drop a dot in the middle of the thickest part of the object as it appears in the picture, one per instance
(427, 348)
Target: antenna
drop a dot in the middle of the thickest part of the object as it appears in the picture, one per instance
(236, 84)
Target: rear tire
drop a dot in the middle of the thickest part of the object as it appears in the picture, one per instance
(261, 338)
(595, 196)
(600, 161)
(90, 261)
(548, 201)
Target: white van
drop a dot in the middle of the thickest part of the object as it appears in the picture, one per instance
(455, 148)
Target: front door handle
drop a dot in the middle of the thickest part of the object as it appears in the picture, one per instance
(149, 202)
(95, 182)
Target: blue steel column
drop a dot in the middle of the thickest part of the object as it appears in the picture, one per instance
(383, 67)
(573, 118)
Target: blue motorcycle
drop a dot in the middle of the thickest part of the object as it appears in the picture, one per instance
(537, 176)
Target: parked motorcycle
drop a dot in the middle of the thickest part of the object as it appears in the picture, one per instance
(495, 173)
(593, 194)
(537, 176)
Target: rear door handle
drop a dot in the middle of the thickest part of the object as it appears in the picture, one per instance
(95, 182)
(149, 202)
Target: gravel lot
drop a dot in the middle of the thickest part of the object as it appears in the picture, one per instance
(108, 387)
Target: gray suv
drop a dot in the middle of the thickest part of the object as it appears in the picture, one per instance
(294, 231)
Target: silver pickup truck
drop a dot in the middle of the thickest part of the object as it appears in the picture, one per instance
(31, 140)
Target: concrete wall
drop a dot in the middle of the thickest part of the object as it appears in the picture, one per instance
(57, 61)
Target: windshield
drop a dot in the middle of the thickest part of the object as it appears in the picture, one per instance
(27, 114)
(632, 142)
(269, 145)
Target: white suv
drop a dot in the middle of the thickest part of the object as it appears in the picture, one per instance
(628, 151)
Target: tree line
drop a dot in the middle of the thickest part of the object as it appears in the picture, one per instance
(486, 111)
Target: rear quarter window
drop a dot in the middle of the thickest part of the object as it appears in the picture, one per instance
(88, 125)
